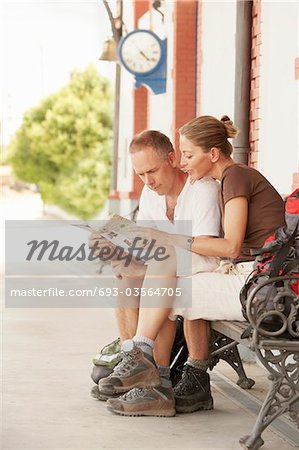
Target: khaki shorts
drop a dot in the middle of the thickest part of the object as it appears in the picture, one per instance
(190, 263)
(212, 295)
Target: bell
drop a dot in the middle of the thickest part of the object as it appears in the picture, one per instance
(109, 52)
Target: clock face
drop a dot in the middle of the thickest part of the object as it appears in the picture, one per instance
(140, 51)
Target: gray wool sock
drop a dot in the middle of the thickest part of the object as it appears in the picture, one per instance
(146, 344)
(198, 364)
(164, 372)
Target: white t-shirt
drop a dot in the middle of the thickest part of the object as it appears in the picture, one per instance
(197, 213)
(197, 203)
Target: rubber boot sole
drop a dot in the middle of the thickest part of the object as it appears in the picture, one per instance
(199, 406)
(122, 390)
(97, 395)
(155, 413)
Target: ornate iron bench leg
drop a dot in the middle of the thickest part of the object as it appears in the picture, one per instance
(179, 353)
(225, 348)
(282, 396)
(294, 412)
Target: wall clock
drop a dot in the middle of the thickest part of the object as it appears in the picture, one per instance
(144, 55)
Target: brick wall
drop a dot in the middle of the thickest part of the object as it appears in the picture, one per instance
(255, 84)
(184, 65)
(199, 57)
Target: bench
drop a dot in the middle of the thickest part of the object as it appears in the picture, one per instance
(278, 354)
(277, 350)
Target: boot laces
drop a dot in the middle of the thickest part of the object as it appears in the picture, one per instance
(128, 362)
(135, 393)
(190, 380)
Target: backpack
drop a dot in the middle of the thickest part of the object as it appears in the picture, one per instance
(279, 257)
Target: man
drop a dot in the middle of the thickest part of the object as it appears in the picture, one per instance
(167, 199)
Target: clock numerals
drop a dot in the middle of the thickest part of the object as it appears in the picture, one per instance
(141, 51)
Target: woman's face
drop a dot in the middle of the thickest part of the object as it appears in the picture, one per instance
(194, 161)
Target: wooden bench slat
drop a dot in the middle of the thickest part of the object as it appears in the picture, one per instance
(233, 330)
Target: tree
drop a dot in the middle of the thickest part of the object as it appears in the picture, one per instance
(63, 145)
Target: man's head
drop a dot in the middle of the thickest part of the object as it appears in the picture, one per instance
(154, 161)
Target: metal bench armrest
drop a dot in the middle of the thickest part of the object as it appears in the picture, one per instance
(275, 318)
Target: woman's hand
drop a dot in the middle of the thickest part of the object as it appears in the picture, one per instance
(149, 235)
(97, 242)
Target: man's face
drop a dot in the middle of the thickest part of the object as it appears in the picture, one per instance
(156, 173)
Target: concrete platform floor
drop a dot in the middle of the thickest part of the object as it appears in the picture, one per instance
(46, 356)
(46, 404)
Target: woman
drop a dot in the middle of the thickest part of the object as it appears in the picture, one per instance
(251, 210)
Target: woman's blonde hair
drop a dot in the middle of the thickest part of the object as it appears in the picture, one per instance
(207, 132)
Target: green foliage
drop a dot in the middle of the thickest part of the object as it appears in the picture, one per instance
(4, 160)
(64, 145)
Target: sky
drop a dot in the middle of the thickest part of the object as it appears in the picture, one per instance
(42, 42)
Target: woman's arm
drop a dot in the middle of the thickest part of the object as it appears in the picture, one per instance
(235, 224)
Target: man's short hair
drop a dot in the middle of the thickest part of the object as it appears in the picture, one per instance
(151, 139)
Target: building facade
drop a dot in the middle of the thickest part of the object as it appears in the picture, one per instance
(204, 76)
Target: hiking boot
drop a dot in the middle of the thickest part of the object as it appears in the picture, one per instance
(99, 372)
(137, 369)
(193, 392)
(106, 360)
(95, 393)
(150, 401)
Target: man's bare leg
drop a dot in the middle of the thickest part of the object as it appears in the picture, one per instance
(197, 334)
(127, 312)
(127, 320)
(129, 280)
